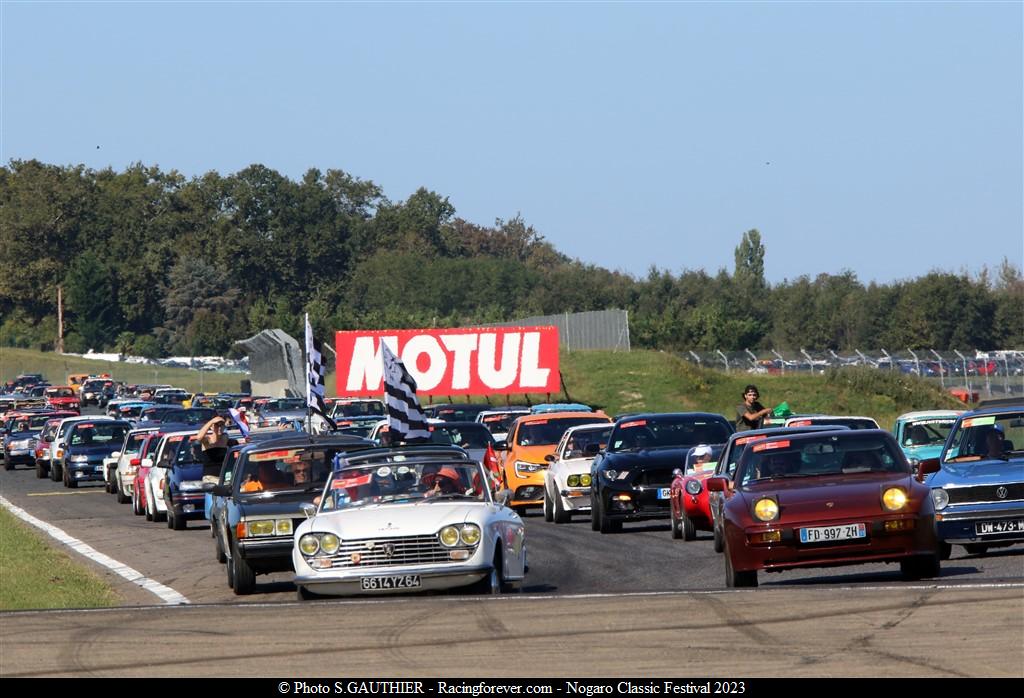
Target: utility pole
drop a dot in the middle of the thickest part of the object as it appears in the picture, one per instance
(60, 320)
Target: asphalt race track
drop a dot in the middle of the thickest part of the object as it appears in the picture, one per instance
(631, 604)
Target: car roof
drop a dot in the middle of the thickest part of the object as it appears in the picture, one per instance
(655, 415)
(782, 431)
(406, 454)
(845, 433)
(548, 416)
(996, 410)
(926, 414)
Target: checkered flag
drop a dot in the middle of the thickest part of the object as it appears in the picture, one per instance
(406, 420)
(315, 376)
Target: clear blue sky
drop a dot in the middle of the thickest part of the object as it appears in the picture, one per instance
(882, 137)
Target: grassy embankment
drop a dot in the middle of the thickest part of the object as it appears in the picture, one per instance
(33, 574)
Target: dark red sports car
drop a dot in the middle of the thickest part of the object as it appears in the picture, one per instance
(825, 499)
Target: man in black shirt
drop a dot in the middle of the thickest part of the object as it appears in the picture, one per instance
(750, 414)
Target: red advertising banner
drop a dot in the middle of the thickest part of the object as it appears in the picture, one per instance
(479, 361)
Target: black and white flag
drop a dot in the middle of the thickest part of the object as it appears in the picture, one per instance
(315, 376)
(406, 421)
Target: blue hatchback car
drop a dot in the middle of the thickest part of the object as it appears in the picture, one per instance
(88, 443)
(978, 482)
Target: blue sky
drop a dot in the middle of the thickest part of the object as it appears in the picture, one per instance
(880, 137)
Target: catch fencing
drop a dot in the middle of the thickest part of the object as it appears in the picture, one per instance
(275, 364)
(596, 329)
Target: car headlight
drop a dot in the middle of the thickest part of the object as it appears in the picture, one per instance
(585, 480)
(330, 543)
(914, 462)
(24, 443)
(283, 527)
(524, 468)
(693, 486)
(572, 481)
(78, 459)
(470, 534)
(940, 498)
(191, 485)
(766, 509)
(309, 544)
(449, 536)
(260, 528)
(612, 475)
(894, 499)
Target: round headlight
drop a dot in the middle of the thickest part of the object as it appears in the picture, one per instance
(766, 509)
(470, 534)
(894, 499)
(940, 498)
(309, 545)
(585, 480)
(611, 474)
(693, 486)
(329, 543)
(572, 481)
(449, 536)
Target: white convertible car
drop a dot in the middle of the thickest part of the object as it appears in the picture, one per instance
(567, 479)
(410, 518)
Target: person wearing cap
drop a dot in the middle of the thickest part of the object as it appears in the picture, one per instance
(701, 455)
(751, 413)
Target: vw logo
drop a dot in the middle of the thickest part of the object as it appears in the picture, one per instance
(389, 550)
(830, 504)
(1001, 492)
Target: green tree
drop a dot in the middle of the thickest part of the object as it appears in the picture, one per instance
(92, 295)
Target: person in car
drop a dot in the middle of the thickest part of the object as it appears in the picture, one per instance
(445, 481)
(267, 479)
(751, 413)
(994, 446)
(214, 440)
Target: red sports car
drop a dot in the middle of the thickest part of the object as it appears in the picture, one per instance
(826, 499)
(62, 397)
(688, 494)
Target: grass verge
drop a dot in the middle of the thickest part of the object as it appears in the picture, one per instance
(34, 575)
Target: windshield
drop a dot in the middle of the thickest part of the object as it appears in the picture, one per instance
(359, 409)
(664, 432)
(131, 411)
(848, 422)
(291, 469)
(284, 404)
(548, 432)
(500, 423)
(466, 435)
(833, 456)
(397, 483)
(997, 436)
(577, 443)
(928, 432)
(458, 414)
(60, 392)
(98, 434)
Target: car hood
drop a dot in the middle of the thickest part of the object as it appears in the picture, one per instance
(19, 435)
(799, 497)
(413, 519)
(534, 454)
(648, 457)
(923, 452)
(572, 466)
(93, 450)
(981, 472)
(280, 504)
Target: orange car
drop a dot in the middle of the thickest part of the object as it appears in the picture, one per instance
(531, 439)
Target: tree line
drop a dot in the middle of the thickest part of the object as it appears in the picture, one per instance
(156, 263)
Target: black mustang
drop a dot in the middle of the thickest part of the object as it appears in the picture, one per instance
(631, 478)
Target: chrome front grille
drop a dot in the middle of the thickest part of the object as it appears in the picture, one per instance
(390, 552)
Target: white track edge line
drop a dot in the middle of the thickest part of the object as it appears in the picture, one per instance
(165, 593)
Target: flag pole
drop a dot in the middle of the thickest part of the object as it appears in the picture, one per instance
(309, 407)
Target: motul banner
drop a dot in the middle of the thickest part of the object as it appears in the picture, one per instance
(483, 361)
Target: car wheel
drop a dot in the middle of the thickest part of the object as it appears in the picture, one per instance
(945, 550)
(718, 540)
(121, 498)
(607, 525)
(40, 471)
(520, 510)
(69, 481)
(150, 513)
(677, 528)
(920, 567)
(689, 530)
(976, 548)
(230, 567)
(8, 465)
(734, 579)
(595, 515)
(219, 549)
(549, 514)
(242, 574)
(136, 506)
(560, 515)
(55, 472)
(304, 594)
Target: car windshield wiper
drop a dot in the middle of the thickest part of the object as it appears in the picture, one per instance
(451, 495)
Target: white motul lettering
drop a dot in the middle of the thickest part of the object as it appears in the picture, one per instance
(462, 346)
(532, 375)
(425, 344)
(502, 377)
(366, 369)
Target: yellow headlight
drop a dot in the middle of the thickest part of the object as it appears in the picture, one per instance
(309, 545)
(329, 543)
(284, 527)
(585, 480)
(894, 499)
(261, 528)
(470, 534)
(766, 509)
(573, 481)
(449, 536)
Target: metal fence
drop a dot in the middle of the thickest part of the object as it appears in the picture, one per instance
(275, 364)
(597, 329)
(989, 374)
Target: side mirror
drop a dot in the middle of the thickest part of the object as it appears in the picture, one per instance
(503, 497)
(501, 445)
(115, 454)
(677, 473)
(927, 467)
(208, 487)
(717, 484)
(147, 463)
(550, 458)
(309, 510)
(221, 490)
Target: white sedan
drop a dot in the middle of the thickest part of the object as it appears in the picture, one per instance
(567, 479)
(410, 518)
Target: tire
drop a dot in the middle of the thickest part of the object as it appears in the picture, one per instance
(549, 514)
(595, 515)
(218, 548)
(69, 483)
(55, 472)
(156, 514)
(945, 550)
(8, 465)
(976, 548)
(136, 505)
(689, 530)
(521, 510)
(230, 567)
(560, 515)
(607, 525)
(304, 594)
(738, 580)
(40, 471)
(677, 528)
(920, 567)
(494, 583)
(242, 575)
(719, 543)
(121, 498)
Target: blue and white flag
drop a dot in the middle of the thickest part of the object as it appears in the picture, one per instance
(236, 417)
